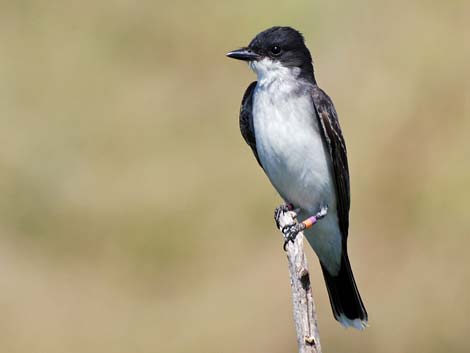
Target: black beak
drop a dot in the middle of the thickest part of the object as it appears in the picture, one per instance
(245, 54)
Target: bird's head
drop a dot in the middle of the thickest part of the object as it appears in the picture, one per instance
(276, 52)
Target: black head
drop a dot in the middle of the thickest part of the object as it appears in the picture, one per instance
(283, 45)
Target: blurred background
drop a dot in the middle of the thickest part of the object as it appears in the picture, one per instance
(133, 217)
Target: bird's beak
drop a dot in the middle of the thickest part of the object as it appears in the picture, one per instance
(245, 54)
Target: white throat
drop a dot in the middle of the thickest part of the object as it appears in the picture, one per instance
(269, 71)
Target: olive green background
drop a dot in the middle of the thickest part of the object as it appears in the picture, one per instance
(133, 217)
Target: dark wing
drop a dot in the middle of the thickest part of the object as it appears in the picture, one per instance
(328, 119)
(246, 119)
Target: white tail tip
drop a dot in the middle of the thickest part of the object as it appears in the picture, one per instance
(358, 324)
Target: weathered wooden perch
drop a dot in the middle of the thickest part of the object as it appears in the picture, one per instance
(305, 315)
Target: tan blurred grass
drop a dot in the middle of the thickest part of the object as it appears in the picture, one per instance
(123, 170)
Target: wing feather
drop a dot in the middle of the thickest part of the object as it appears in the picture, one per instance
(328, 119)
(246, 119)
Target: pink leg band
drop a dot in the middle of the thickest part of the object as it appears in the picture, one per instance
(310, 222)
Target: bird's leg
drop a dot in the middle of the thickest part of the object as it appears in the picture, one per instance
(285, 207)
(290, 231)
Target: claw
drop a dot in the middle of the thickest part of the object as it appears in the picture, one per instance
(290, 232)
(322, 213)
(280, 210)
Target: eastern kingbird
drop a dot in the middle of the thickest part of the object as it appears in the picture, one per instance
(292, 127)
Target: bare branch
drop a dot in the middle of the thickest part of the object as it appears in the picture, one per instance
(305, 315)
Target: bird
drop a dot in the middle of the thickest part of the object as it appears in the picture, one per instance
(292, 127)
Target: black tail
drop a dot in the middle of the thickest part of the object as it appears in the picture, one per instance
(345, 299)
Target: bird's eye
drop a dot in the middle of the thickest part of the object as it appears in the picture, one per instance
(275, 50)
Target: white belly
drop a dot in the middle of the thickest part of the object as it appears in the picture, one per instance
(296, 160)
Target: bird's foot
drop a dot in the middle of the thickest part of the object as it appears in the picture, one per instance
(291, 231)
(286, 207)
